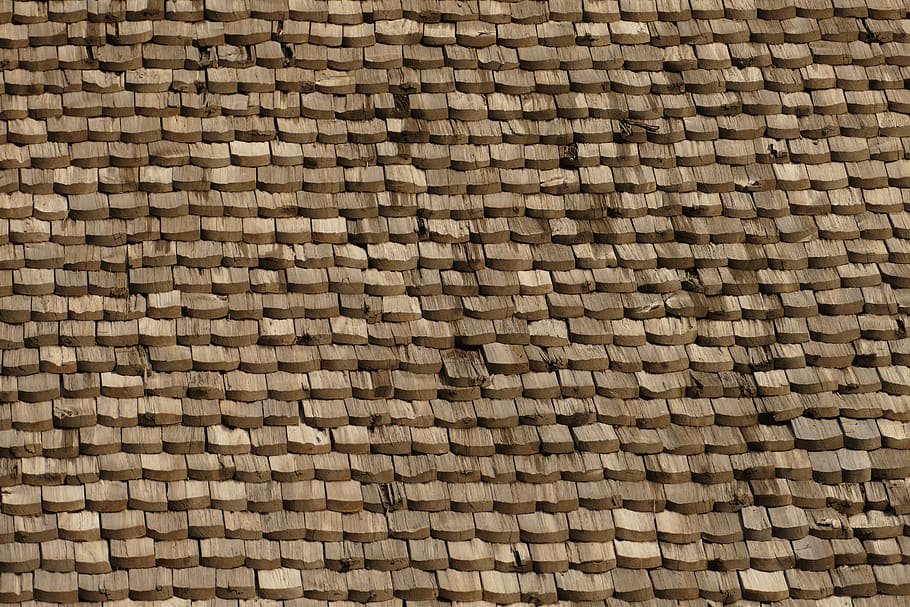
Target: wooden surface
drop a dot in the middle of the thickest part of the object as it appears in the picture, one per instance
(434, 301)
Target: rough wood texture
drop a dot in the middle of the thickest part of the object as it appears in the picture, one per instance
(502, 302)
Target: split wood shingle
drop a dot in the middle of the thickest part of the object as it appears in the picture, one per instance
(436, 301)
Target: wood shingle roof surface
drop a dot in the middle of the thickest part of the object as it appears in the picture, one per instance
(480, 302)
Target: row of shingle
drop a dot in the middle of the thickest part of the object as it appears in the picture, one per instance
(573, 50)
(591, 168)
(548, 267)
(662, 374)
(834, 41)
(198, 509)
(807, 554)
(50, 235)
(244, 424)
(34, 294)
(459, 553)
(276, 45)
(290, 374)
(737, 65)
(576, 312)
(227, 345)
(295, 587)
(674, 222)
(415, 348)
(156, 68)
(715, 346)
(569, 266)
(881, 156)
(307, 67)
(290, 584)
(699, 290)
(761, 215)
(494, 489)
(555, 28)
(502, 483)
(452, 548)
(244, 431)
(687, 498)
(860, 416)
(867, 423)
(524, 118)
(583, 258)
(234, 317)
(583, 252)
(534, 514)
(399, 178)
(718, 168)
(158, 455)
(488, 413)
(474, 95)
(534, 501)
(352, 12)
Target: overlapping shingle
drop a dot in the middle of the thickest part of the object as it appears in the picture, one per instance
(439, 301)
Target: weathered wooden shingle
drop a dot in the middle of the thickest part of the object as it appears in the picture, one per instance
(501, 302)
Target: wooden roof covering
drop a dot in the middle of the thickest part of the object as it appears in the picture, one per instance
(466, 301)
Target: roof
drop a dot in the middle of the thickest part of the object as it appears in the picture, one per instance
(418, 301)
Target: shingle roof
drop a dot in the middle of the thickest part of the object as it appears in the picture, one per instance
(487, 302)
